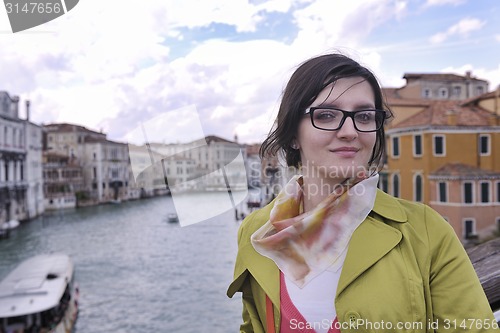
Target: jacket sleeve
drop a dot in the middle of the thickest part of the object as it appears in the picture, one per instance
(458, 300)
(243, 283)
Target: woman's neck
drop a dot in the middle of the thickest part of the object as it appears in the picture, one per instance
(316, 189)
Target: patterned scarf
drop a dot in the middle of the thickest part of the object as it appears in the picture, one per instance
(303, 245)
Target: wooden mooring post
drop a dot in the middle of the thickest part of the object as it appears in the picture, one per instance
(486, 261)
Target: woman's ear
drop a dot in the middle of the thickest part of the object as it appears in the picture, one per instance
(294, 145)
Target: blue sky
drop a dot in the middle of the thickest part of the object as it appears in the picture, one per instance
(114, 65)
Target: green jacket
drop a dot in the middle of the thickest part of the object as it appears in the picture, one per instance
(405, 271)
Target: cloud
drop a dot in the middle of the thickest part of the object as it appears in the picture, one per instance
(463, 28)
(430, 3)
(106, 70)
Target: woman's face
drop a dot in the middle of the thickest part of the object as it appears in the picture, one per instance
(336, 155)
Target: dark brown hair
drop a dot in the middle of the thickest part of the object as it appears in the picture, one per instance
(308, 80)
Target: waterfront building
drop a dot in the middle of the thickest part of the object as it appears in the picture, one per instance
(105, 163)
(106, 170)
(147, 173)
(21, 195)
(210, 163)
(63, 179)
(253, 165)
(34, 166)
(445, 154)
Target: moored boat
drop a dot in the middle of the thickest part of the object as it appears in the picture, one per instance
(172, 218)
(39, 295)
(9, 225)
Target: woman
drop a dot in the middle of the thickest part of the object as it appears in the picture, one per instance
(332, 253)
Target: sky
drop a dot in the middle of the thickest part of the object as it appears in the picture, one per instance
(177, 70)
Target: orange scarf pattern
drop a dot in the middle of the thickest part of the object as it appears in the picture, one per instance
(303, 245)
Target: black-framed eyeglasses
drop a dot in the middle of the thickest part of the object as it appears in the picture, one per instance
(331, 119)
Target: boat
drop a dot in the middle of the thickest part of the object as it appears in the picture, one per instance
(12, 224)
(172, 218)
(40, 295)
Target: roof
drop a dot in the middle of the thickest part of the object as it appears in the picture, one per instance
(458, 171)
(440, 77)
(437, 114)
(91, 139)
(66, 127)
(36, 285)
(475, 100)
(212, 138)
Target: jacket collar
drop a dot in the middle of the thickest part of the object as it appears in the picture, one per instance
(361, 254)
(389, 207)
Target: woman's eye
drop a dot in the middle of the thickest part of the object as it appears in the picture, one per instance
(365, 116)
(325, 114)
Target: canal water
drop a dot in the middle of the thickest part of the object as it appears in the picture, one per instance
(137, 272)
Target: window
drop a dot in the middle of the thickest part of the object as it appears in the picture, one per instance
(442, 192)
(395, 146)
(468, 195)
(417, 145)
(439, 145)
(469, 228)
(480, 90)
(498, 191)
(418, 188)
(95, 173)
(484, 144)
(384, 182)
(443, 93)
(427, 93)
(395, 185)
(457, 91)
(485, 192)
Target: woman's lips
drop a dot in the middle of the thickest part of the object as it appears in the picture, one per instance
(345, 151)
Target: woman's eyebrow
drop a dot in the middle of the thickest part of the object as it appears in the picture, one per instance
(361, 106)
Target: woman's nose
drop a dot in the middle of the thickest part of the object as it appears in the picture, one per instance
(347, 131)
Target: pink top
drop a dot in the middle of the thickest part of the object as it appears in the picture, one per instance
(292, 320)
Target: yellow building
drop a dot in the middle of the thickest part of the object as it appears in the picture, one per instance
(444, 153)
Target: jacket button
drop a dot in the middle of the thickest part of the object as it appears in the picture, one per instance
(352, 316)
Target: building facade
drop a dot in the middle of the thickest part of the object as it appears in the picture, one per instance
(20, 163)
(63, 178)
(211, 163)
(447, 144)
(105, 164)
(441, 86)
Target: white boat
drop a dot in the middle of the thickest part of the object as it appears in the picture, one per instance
(172, 218)
(39, 295)
(12, 224)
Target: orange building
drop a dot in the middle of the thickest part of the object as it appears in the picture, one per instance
(445, 153)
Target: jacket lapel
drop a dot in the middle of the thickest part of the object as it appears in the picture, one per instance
(372, 240)
(264, 271)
